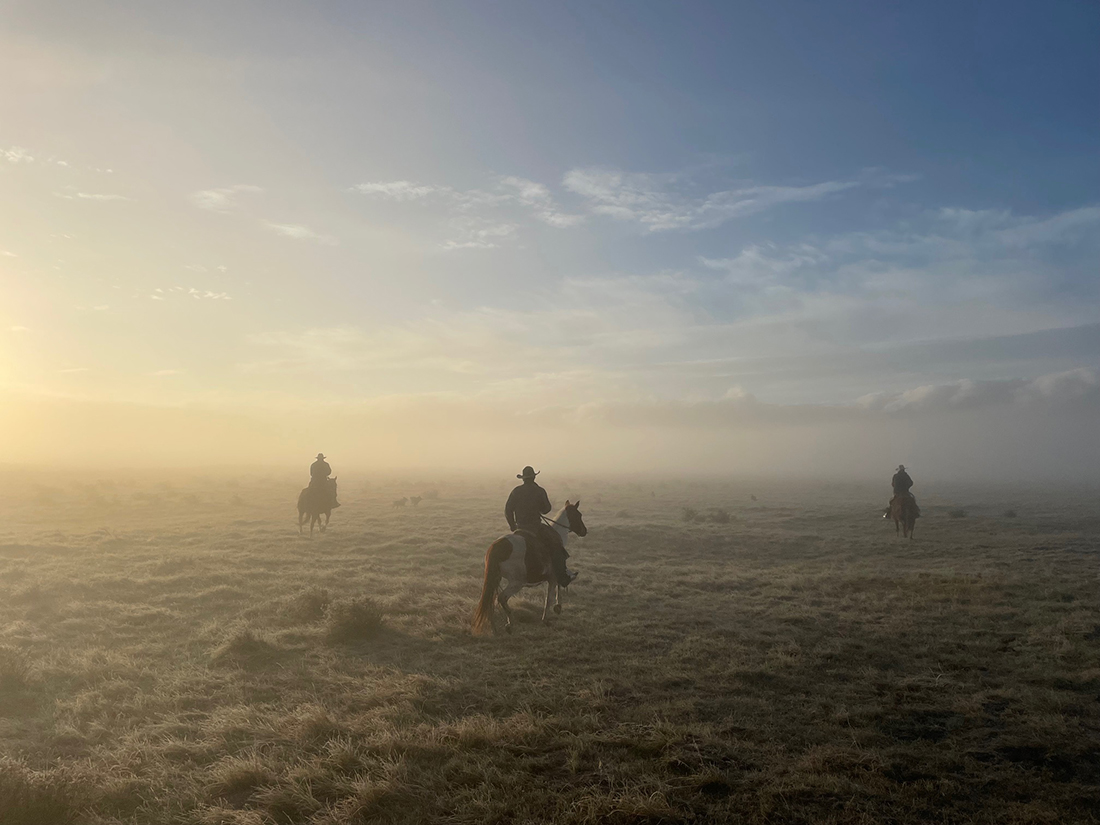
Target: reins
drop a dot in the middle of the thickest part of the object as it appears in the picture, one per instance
(568, 529)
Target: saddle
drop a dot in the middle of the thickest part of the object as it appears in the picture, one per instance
(537, 557)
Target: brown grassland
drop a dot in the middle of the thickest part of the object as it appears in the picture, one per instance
(173, 652)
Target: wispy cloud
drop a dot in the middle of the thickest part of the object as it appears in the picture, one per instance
(222, 199)
(19, 329)
(164, 373)
(401, 190)
(948, 257)
(479, 215)
(538, 198)
(16, 154)
(73, 370)
(478, 235)
(89, 196)
(659, 202)
(299, 233)
(1059, 388)
(160, 294)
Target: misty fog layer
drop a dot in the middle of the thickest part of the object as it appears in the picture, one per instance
(1004, 430)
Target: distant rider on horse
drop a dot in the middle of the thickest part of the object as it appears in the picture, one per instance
(319, 471)
(902, 483)
(525, 508)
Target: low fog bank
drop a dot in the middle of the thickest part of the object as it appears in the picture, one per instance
(1040, 431)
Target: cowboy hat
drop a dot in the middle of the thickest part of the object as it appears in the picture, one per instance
(528, 472)
(321, 455)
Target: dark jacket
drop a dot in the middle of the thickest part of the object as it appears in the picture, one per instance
(318, 472)
(901, 482)
(525, 506)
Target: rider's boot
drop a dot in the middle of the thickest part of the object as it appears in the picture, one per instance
(557, 564)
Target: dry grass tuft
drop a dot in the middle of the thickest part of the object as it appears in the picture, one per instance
(956, 513)
(236, 779)
(352, 620)
(719, 516)
(309, 605)
(14, 673)
(30, 797)
(245, 649)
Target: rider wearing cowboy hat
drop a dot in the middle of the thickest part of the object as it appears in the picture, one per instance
(901, 484)
(319, 471)
(526, 506)
(901, 481)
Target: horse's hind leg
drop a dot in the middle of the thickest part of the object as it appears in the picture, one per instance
(502, 600)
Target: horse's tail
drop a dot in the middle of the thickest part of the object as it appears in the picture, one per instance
(498, 551)
(302, 500)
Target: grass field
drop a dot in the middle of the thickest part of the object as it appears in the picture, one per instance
(174, 652)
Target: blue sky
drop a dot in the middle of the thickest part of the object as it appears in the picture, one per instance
(548, 205)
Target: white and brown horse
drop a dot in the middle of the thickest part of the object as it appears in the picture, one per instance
(509, 558)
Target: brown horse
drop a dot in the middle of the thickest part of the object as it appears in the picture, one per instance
(904, 512)
(316, 503)
(511, 558)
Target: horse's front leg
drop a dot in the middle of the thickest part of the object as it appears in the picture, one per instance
(502, 600)
(551, 588)
(557, 600)
(325, 525)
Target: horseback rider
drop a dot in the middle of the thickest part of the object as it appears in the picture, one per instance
(902, 483)
(526, 505)
(319, 473)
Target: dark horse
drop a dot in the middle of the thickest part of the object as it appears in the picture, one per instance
(315, 503)
(904, 512)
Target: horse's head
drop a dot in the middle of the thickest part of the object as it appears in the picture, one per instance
(573, 514)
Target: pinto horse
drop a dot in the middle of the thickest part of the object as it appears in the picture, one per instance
(510, 558)
(313, 505)
(904, 512)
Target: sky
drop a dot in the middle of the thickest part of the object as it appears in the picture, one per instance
(799, 238)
